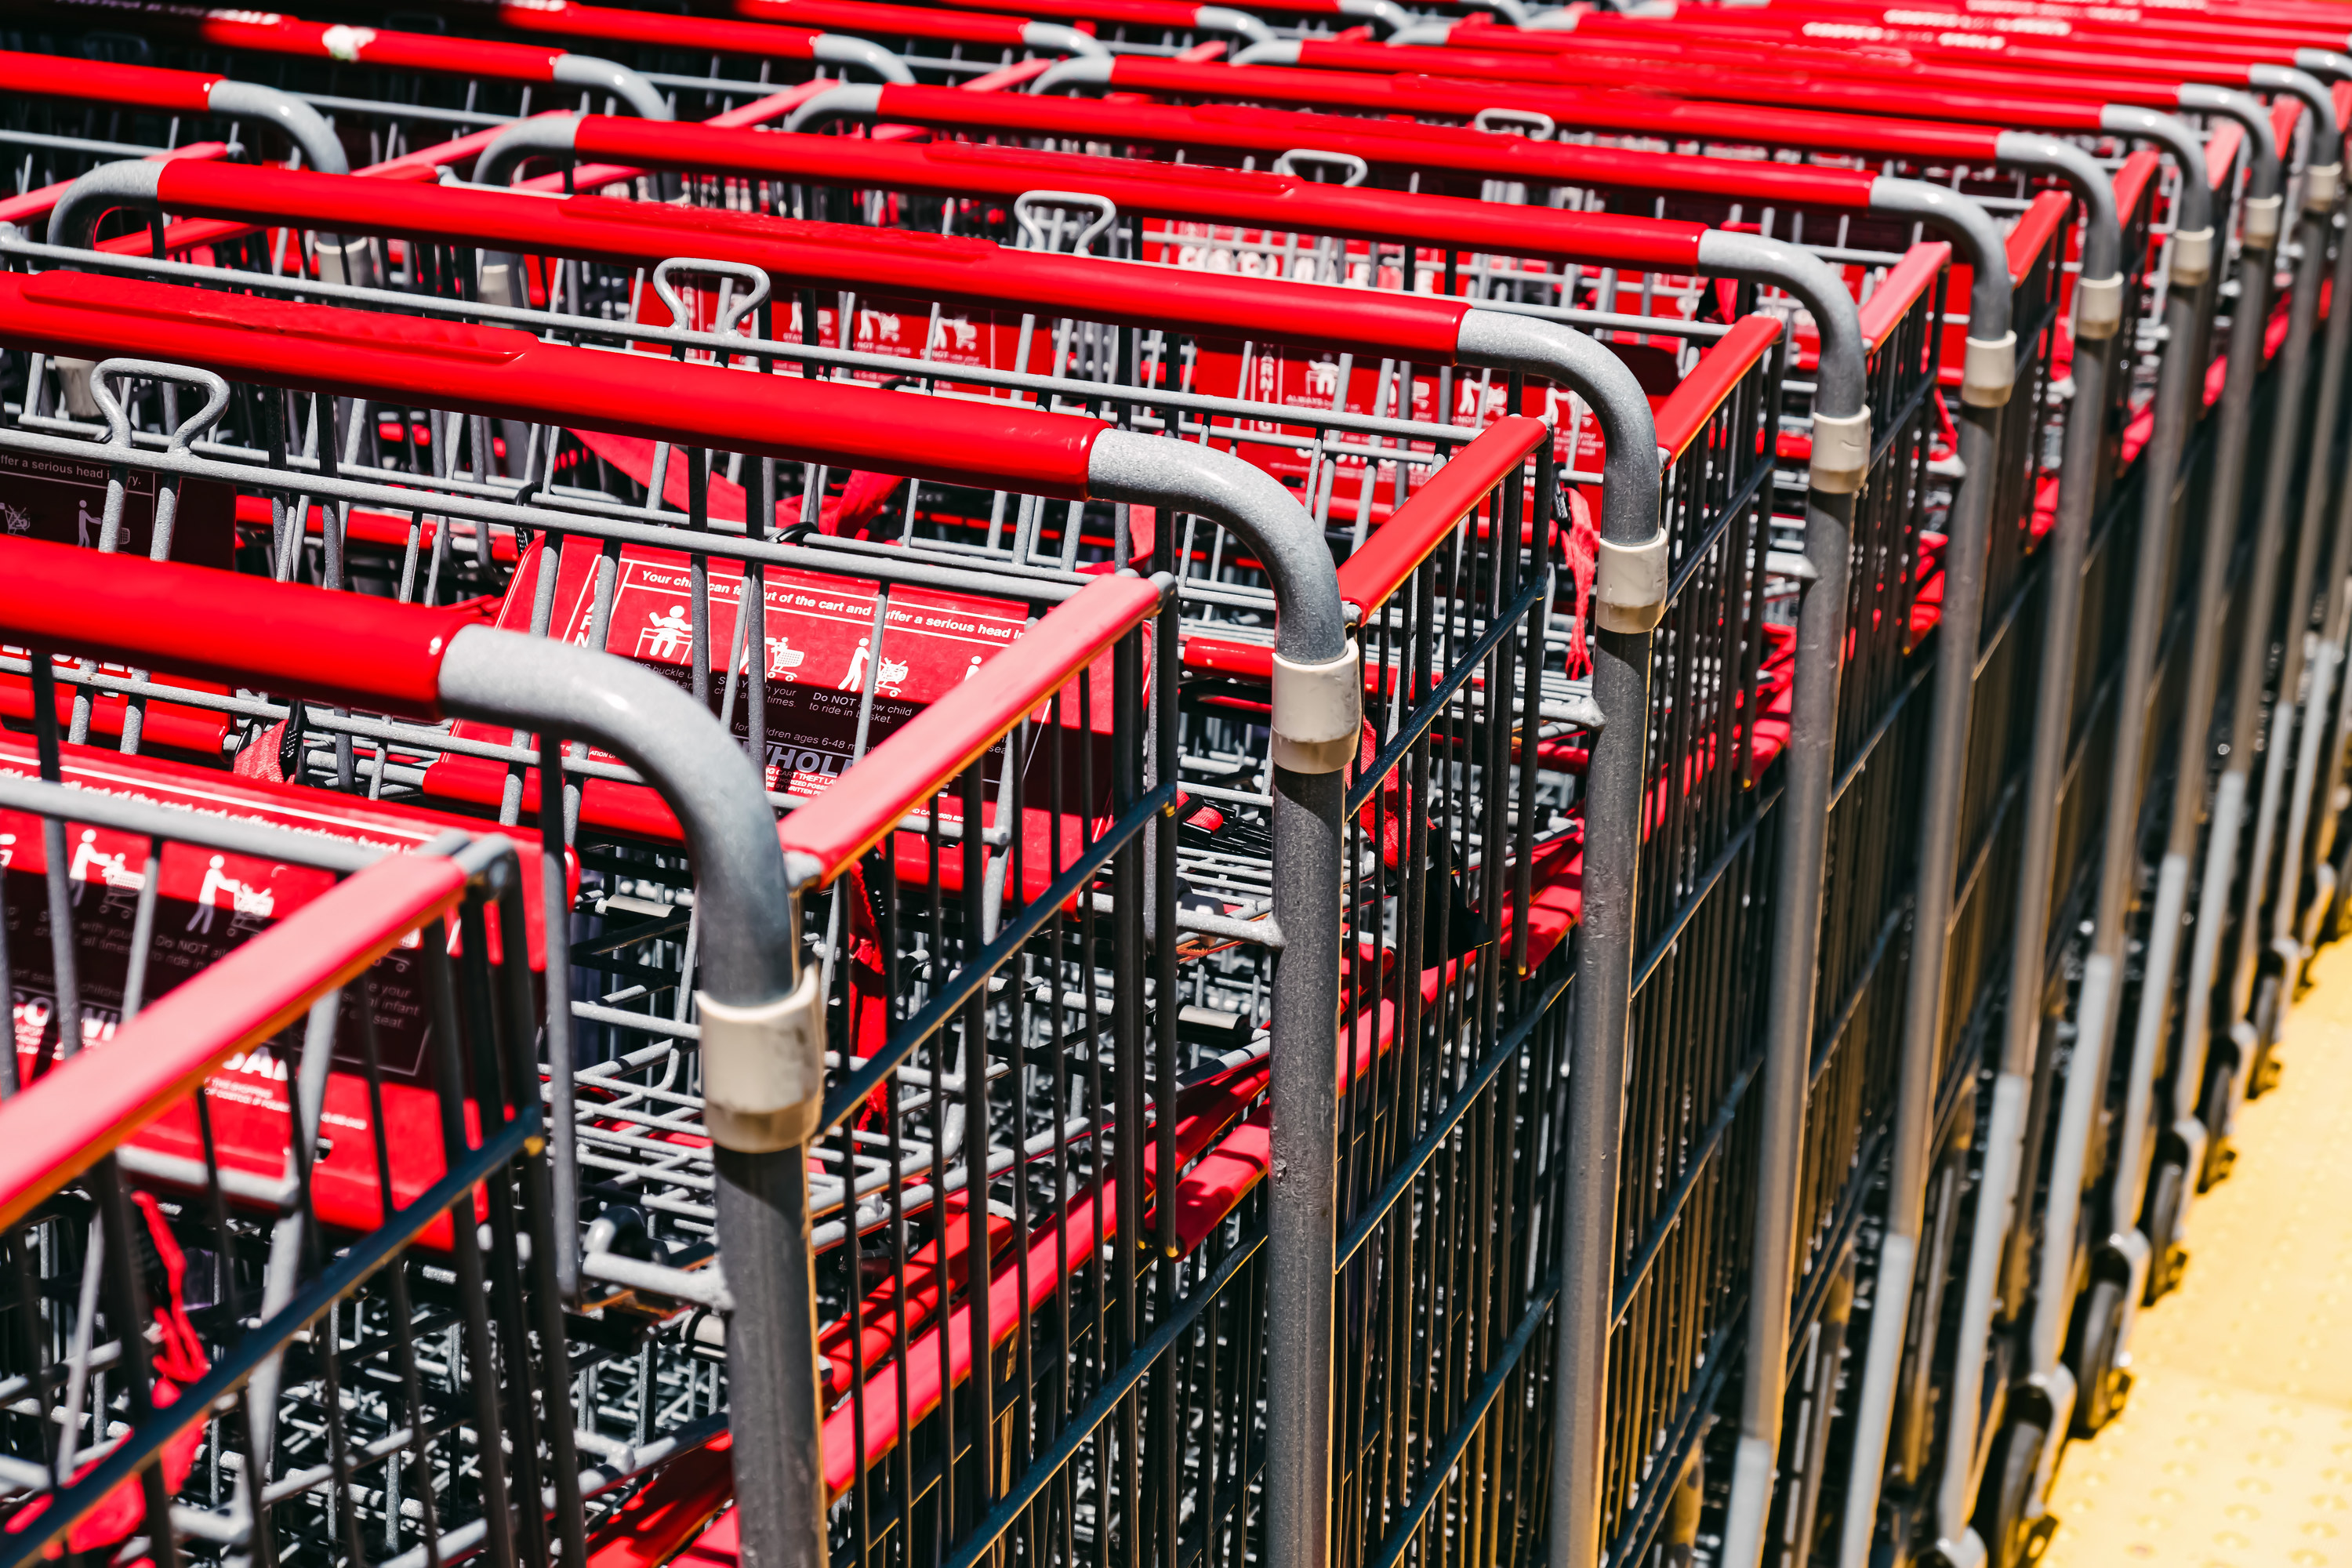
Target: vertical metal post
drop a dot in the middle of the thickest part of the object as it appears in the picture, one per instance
(762, 1050)
(773, 1398)
(2249, 320)
(1989, 378)
(2316, 228)
(1302, 1202)
(1614, 781)
(1840, 467)
(1317, 722)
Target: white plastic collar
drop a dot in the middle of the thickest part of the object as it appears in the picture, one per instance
(2261, 226)
(500, 279)
(2098, 306)
(1318, 713)
(1990, 371)
(1841, 452)
(2193, 257)
(1629, 586)
(763, 1070)
(2322, 183)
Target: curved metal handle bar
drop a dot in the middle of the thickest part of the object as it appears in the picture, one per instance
(588, 71)
(840, 49)
(1532, 124)
(1024, 211)
(1061, 39)
(1298, 158)
(758, 287)
(307, 129)
(119, 421)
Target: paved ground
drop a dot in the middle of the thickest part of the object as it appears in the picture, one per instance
(2236, 1449)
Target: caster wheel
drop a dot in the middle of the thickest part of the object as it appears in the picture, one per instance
(2214, 1112)
(2267, 1073)
(2171, 1259)
(2001, 1522)
(2104, 1385)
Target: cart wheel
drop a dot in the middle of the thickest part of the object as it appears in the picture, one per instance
(2269, 1003)
(2214, 1112)
(2001, 1522)
(2171, 1260)
(2103, 1384)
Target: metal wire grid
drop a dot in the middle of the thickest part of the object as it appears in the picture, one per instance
(1446, 1262)
(622, 1139)
(1693, 1048)
(373, 1391)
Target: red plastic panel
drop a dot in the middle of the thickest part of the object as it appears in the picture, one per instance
(207, 906)
(817, 634)
(941, 742)
(94, 1103)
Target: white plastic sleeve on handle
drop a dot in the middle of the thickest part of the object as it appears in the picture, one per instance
(1841, 452)
(1629, 586)
(2320, 185)
(764, 1068)
(2193, 257)
(1989, 374)
(1318, 712)
(2098, 307)
(2261, 223)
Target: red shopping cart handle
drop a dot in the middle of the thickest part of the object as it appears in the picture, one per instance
(614, 24)
(878, 261)
(345, 648)
(511, 374)
(1172, 189)
(1358, 93)
(871, 19)
(142, 87)
(1236, 128)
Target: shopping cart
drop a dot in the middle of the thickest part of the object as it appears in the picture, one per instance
(199, 913)
(1195, 74)
(1489, 1497)
(1236, 130)
(1303, 207)
(379, 496)
(1433, 302)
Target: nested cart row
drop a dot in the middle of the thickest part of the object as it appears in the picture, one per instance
(1696, 974)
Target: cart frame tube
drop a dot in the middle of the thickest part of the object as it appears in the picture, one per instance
(1841, 460)
(1990, 378)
